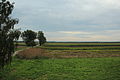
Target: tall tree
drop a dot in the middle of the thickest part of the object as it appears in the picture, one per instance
(6, 34)
(41, 38)
(29, 36)
(17, 34)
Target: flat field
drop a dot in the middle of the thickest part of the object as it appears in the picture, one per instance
(82, 44)
(66, 62)
(82, 50)
(63, 69)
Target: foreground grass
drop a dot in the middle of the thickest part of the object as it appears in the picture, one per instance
(64, 69)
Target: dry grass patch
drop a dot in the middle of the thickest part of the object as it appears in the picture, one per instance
(31, 53)
(82, 53)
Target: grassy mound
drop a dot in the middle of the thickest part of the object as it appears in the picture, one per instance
(31, 53)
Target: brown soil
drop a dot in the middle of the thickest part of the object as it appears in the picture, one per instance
(31, 53)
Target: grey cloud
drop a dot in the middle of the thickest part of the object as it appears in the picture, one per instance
(68, 15)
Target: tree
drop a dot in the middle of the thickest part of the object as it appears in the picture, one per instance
(29, 36)
(41, 38)
(6, 34)
(16, 34)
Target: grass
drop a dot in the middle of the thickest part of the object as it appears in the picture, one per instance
(33, 53)
(64, 69)
(82, 48)
(64, 65)
(78, 43)
(21, 44)
(21, 48)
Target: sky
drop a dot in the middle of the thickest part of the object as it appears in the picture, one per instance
(70, 20)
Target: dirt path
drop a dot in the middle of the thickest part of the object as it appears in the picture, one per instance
(16, 52)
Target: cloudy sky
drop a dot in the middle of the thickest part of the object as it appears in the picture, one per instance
(70, 20)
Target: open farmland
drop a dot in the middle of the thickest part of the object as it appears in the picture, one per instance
(82, 44)
(63, 51)
(61, 62)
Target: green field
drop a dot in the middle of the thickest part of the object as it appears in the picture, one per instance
(83, 48)
(93, 63)
(81, 43)
(64, 69)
